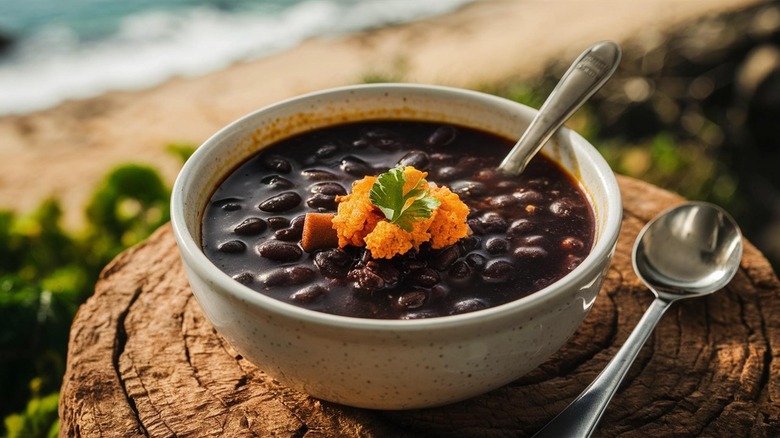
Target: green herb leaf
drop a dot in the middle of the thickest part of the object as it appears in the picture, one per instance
(400, 208)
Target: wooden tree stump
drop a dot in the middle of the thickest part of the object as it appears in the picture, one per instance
(143, 360)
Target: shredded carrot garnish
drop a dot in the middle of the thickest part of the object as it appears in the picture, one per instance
(360, 223)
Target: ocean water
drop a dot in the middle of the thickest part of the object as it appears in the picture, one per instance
(55, 50)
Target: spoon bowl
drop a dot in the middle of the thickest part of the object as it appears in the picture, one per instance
(691, 250)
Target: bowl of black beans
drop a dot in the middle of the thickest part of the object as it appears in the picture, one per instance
(360, 245)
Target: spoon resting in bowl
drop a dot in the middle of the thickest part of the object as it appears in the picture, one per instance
(586, 75)
(691, 250)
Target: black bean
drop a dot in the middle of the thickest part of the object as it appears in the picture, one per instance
(441, 158)
(572, 244)
(278, 222)
(493, 222)
(365, 280)
(468, 305)
(385, 270)
(487, 175)
(476, 226)
(381, 138)
(332, 263)
(412, 260)
(496, 245)
(530, 253)
(277, 182)
(378, 132)
(469, 163)
(328, 188)
(448, 173)
(412, 299)
(277, 163)
(280, 251)
(327, 150)
(535, 240)
(563, 207)
(281, 202)
(294, 232)
(289, 234)
(232, 247)
(244, 278)
(387, 144)
(520, 227)
(317, 174)
(228, 204)
(417, 159)
(528, 197)
(425, 277)
(445, 258)
(468, 244)
(476, 261)
(439, 291)
(443, 135)
(507, 184)
(498, 271)
(250, 226)
(309, 293)
(571, 262)
(503, 201)
(469, 188)
(361, 143)
(322, 201)
(539, 183)
(298, 221)
(355, 166)
(461, 271)
(288, 276)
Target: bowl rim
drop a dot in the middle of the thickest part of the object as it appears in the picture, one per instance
(196, 260)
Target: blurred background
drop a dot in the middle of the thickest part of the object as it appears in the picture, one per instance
(694, 109)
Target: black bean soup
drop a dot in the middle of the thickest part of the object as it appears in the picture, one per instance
(528, 231)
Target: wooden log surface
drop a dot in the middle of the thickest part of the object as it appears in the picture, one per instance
(144, 361)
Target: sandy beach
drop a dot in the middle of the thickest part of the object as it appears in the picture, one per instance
(63, 152)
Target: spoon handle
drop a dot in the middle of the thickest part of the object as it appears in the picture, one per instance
(580, 418)
(586, 75)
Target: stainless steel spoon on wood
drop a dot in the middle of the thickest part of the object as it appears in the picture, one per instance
(585, 76)
(692, 250)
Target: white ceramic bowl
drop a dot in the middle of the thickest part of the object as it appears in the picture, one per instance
(391, 364)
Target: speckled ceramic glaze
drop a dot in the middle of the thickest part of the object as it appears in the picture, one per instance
(389, 364)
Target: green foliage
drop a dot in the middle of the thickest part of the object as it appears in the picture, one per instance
(531, 94)
(183, 151)
(130, 203)
(39, 419)
(47, 272)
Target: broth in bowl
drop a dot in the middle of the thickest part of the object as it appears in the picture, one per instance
(525, 232)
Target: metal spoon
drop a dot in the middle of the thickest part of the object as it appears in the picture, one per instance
(689, 251)
(585, 76)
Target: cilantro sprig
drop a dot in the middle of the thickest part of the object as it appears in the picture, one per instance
(400, 208)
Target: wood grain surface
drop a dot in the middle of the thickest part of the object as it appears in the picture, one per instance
(144, 361)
